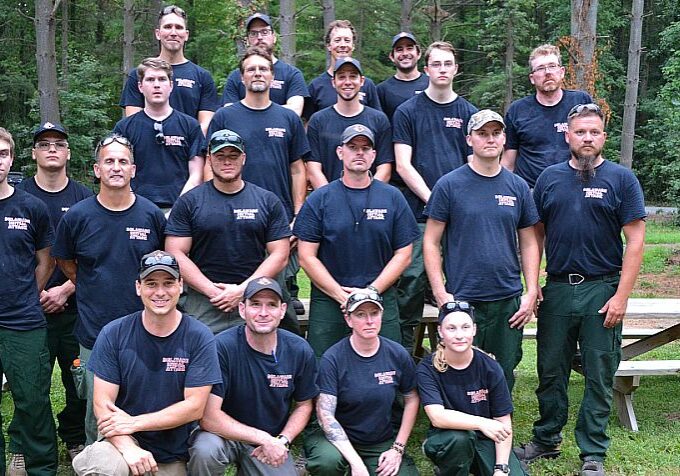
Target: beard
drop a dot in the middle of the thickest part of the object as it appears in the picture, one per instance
(586, 164)
(258, 88)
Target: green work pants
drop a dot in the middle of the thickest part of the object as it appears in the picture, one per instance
(567, 316)
(411, 288)
(324, 459)
(495, 336)
(461, 452)
(327, 323)
(25, 361)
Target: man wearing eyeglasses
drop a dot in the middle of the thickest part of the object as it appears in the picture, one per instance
(288, 87)
(194, 91)
(52, 185)
(536, 124)
(584, 205)
(99, 243)
(25, 240)
(428, 132)
(484, 212)
(168, 143)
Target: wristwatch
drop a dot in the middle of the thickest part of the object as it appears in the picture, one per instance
(503, 468)
(285, 440)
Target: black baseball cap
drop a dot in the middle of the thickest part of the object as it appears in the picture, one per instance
(357, 130)
(347, 60)
(357, 298)
(225, 138)
(260, 284)
(158, 261)
(258, 16)
(49, 127)
(403, 34)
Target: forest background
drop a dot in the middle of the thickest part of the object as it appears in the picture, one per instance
(65, 60)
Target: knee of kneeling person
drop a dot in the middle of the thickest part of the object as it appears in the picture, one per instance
(204, 445)
(327, 464)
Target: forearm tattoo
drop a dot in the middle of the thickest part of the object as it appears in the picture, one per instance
(325, 409)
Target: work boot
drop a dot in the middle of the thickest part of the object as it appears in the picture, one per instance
(17, 465)
(74, 449)
(592, 468)
(532, 451)
(298, 306)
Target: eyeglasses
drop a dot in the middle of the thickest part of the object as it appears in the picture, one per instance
(46, 145)
(108, 140)
(264, 33)
(454, 306)
(160, 137)
(584, 109)
(440, 65)
(549, 68)
(156, 259)
(172, 9)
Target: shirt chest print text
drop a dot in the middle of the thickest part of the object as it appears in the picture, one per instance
(385, 378)
(175, 364)
(245, 213)
(477, 396)
(589, 192)
(275, 131)
(279, 381)
(560, 127)
(14, 223)
(138, 233)
(505, 200)
(185, 83)
(456, 122)
(375, 213)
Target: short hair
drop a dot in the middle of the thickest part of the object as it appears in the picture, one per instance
(169, 10)
(255, 51)
(7, 137)
(335, 24)
(545, 50)
(439, 45)
(153, 63)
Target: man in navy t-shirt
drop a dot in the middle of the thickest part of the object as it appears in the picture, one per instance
(154, 370)
(288, 88)
(25, 240)
(429, 141)
(168, 144)
(536, 124)
(100, 241)
(408, 80)
(224, 233)
(483, 212)
(584, 205)
(248, 420)
(355, 233)
(326, 126)
(194, 91)
(52, 185)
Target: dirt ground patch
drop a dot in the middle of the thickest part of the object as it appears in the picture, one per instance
(662, 285)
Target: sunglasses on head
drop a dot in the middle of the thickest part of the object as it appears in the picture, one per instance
(108, 140)
(455, 306)
(155, 260)
(172, 9)
(580, 109)
(231, 139)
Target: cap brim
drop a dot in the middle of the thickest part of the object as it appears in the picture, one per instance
(159, 267)
(359, 134)
(222, 146)
(354, 306)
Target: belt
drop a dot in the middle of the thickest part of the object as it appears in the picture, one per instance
(576, 278)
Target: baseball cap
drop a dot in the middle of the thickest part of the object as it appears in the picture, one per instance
(479, 118)
(258, 16)
(403, 34)
(357, 130)
(158, 261)
(225, 138)
(347, 60)
(260, 284)
(49, 127)
(357, 298)
(456, 306)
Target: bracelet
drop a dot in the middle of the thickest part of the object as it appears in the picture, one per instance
(398, 447)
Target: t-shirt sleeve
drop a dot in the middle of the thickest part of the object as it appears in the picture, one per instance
(297, 85)
(64, 243)
(221, 389)
(439, 203)
(538, 195)
(633, 203)
(299, 146)
(408, 373)
(529, 214)
(278, 226)
(104, 359)
(179, 221)
(500, 401)
(306, 386)
(198, 143)
(231, 90)
(309, 223)
(204, 368)
(372, 98)
(402, 130)
(208, 100)
(313, 139)
(428, 387)
(384, 141)
(511, 139)
(131, 96)
(406, 229)
(328, 376)
(44, 233)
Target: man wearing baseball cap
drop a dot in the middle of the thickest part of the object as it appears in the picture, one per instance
(483, 211)
(225, 232)
(154, 370)
(355, 233)
(326, 126)
(248, 420)
(408, 80)
(288, 88)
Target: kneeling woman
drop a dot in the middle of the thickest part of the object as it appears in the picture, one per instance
(360, 377)
(466, 398)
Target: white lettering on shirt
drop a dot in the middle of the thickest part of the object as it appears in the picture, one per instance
(174, 140)
(138, 233)
(477, 396)
(64, 209)
(362, 96)
(456, 122)
(560, 127)
(385, 378)
(185, 83)
(175, 364)
(506, 200)
(245, 213)
(594, 192)
(276, 84)
(375, 213)
(16, 223)
(279, 381)
(275, 131)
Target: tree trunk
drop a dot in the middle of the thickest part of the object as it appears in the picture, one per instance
(406, 18)
(328, 9)
(46, 58)
(583, 31)
(436, 19)
(630, 103)
(64, 43)
(128, 37)
(509, 60)
(287, 31)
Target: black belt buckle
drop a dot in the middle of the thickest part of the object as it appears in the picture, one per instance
(575, 279)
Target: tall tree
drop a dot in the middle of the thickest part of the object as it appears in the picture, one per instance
(64, 42)
(46, 59)
(128, 37)
(328, 12)
(633, 79)
(583, 31)
(287, 31)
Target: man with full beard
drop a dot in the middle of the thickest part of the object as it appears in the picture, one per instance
(535, 124)
(583, 204)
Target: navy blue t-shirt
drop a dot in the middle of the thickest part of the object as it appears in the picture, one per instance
(537, 132)
(274, 137)
(25, 229)
(480, 389)
(288, 82)
(229, 232)
(376, 221)
(393, 92)
(58, 203)
(366, 387)
(482, 216)
(583, 221)
(258, 389)
(324, 132)
(162, 169)
(193, 90)
(152, 373)
(107, 246)
(322, 94)
(436, 133)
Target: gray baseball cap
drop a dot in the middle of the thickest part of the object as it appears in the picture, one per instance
(356, 130)
(347, 60)
(403, 34)
(260, 284)
(258, 16)
(482, 117)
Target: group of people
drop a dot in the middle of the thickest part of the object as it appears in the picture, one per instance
(175, 290)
